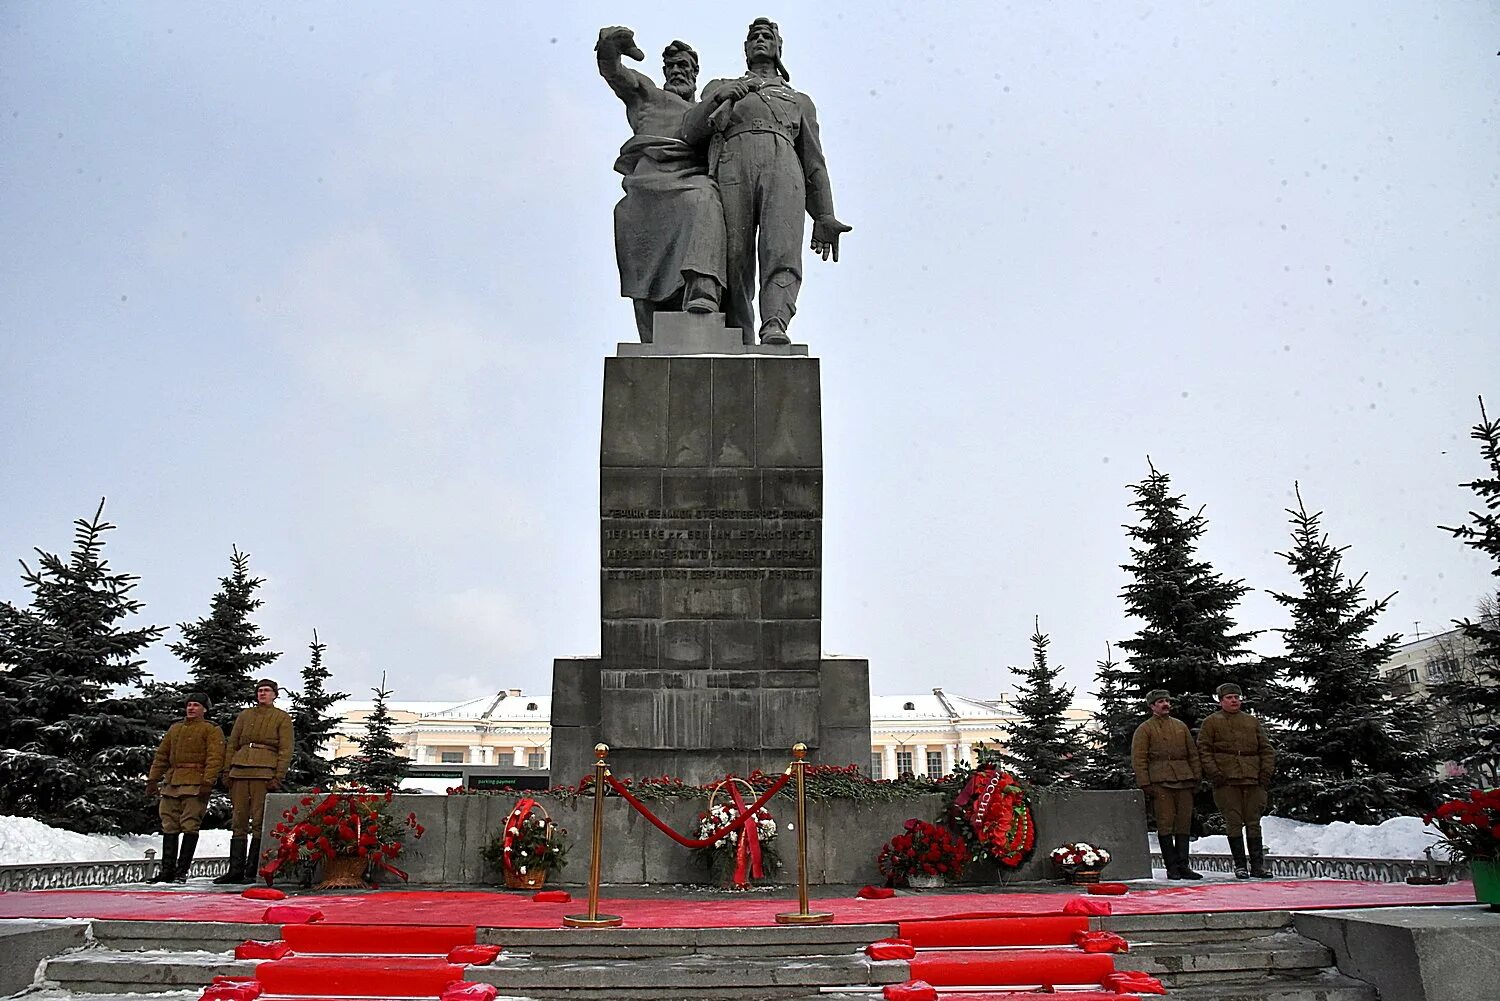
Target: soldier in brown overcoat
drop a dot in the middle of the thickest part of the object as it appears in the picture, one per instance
(260, 751)
(1239, 761)
(183, 773)
(1167, 770)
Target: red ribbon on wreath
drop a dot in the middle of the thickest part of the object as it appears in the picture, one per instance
(747, 853)
(513, 824)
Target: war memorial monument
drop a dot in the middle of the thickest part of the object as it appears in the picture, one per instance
(711, 508)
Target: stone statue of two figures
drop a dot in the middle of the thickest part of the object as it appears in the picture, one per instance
(715, 190)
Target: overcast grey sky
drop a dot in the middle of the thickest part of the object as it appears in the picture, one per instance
(333, 283)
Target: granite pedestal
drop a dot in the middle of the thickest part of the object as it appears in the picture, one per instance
(711, 525)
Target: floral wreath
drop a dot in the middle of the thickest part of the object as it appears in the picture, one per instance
(993, 805)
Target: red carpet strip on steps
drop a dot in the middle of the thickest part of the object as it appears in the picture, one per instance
(1002, 968)
(1041, 929)
(372, 940)
(500, 910)
(1034, 996)
(358, 976)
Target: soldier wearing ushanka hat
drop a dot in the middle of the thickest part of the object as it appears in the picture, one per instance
(1239, 760)
(260, 752)
(1167, 770)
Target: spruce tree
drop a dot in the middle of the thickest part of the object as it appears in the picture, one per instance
(1043, 749)
(1348, 748)
(313, 724)
(224, 651)
(1110, 728)
(377, 766)
(1476, 698)
(74, 744)
(1188, 642)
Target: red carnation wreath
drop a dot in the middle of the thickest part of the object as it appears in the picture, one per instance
(993, 805)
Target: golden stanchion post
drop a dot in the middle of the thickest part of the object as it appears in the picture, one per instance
(593, 919)
(802, 916)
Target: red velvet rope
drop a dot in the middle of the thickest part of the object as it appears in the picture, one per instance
(732, 826)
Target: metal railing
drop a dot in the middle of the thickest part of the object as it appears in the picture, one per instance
(1373, 870)
(69, 875)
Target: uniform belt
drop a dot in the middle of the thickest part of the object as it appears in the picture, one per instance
(760, 125)
(263, 747)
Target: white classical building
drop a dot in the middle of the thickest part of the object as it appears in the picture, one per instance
(509, 733)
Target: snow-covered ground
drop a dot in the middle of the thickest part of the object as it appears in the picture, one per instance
(24, 841)
(1397, 838)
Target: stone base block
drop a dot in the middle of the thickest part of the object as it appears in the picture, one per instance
(1413, 953)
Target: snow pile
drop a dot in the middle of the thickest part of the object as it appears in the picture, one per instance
(1397, 838)
(24, 841)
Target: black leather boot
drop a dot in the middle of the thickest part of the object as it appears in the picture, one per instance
(1258, 859)
(252, 861)
(168, 859)
(185, 857)
(1184, 871)
(1169, 854)
(1237, 849)
(236, 873)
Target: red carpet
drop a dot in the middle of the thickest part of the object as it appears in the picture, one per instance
(369, 940)
(1012, 968)
(357, 976)
(504, 910)
(1042, 929)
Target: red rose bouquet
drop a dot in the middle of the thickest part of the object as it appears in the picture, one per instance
(923, 849)
(1470, 826)
(354, 825)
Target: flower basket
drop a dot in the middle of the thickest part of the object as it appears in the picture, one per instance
(348, 835)
(535, 879)
(1080, 862)
(923, 856)
(527, 847)
(344, 873)
(742, 856)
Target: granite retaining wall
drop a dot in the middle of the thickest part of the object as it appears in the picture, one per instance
(844, 836)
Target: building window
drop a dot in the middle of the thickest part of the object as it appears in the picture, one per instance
(534, 759)
(910, 707)
(903, 762)
(877, 763)
(1442, 668)
(935, 763)
(531, 707)
(451, 757)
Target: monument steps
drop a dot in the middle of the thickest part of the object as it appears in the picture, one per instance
(1225, 956)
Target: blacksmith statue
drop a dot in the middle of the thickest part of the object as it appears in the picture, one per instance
(669, 227)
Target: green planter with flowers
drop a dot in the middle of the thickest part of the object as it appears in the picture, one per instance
(1486, 877)
(1471, 833)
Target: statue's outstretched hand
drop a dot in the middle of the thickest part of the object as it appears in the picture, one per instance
(825, 236)
(615, 41)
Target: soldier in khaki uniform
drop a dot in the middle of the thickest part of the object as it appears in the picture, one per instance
(1239, 761)
(1167, 770)
(183, 773)
(260, 751)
